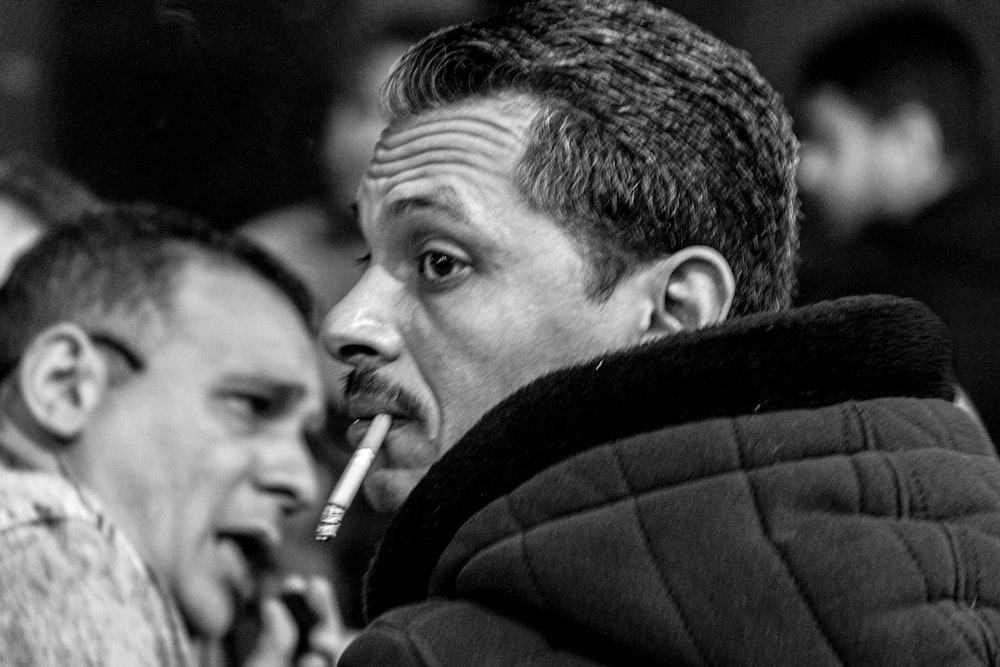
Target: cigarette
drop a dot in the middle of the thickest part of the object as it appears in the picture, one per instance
(350, 481)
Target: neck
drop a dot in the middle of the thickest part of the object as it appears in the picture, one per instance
(18, 451)
(23, 444)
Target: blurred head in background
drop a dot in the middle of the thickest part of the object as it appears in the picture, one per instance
(890, 114)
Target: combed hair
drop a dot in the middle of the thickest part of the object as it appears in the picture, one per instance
(653, 134)
(886, 59)
(121, 264)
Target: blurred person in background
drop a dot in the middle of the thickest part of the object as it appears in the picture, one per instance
(158, 378)
(897, 172)
(35, 196)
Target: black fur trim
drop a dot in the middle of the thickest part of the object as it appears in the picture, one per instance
(850, 349)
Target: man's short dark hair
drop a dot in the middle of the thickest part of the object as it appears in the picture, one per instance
(653, 134)
(120, 265)
(886, 59)
(51, 196)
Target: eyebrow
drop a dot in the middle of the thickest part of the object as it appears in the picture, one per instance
(442, 200)
(120, 347)
(287, 391)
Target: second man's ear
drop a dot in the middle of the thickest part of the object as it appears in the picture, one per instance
(691, 288)
(62, 378)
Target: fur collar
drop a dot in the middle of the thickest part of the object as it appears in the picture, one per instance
(850, 349)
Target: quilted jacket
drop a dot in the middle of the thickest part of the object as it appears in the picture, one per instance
(791, 489)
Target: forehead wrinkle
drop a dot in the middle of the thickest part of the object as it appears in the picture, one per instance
(443, 161)
(447, 144)
(466, 120)
(442, 153)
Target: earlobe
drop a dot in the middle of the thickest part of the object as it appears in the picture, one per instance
(62, 379)
(694, 289)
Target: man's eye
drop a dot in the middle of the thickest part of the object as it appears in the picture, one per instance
(438, 267)
(249, 406)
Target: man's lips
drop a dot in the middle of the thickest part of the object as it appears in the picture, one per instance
(366, 406)
(367, 394)
(257, 544)
(359, 427)
(406, 444)
(362, 408)
(409, 443)
(248, 551)
(356, 431)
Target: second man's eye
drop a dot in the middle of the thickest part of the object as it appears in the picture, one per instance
(438, 267)
(250, 407)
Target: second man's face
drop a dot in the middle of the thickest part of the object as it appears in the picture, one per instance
(199, 456)
(469, 292)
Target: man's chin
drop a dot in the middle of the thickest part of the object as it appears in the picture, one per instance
(388, 488)
(209, 616)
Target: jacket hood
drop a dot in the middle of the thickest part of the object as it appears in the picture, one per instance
(857, 348)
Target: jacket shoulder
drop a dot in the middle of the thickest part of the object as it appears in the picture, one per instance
(442, 632)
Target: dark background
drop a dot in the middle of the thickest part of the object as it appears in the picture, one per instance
(214, 105)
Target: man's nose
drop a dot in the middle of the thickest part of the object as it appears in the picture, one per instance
(361, 328)
(286, 469)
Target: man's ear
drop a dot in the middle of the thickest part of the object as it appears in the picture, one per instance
(691, 288)
(62, 379)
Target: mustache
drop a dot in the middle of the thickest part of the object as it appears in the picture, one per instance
(367, 382)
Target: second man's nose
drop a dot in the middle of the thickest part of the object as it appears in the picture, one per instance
(358, 331)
